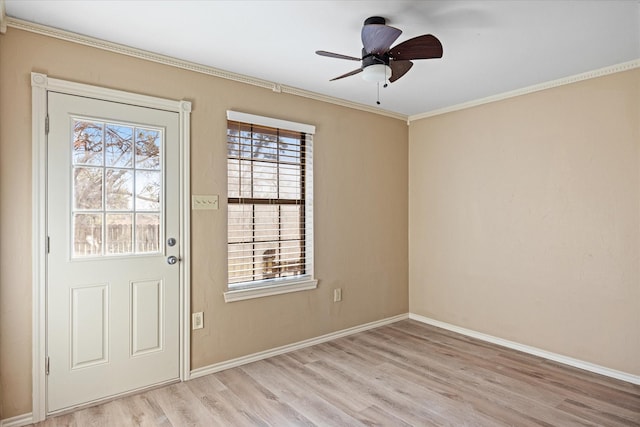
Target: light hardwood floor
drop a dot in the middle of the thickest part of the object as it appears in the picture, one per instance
(403, 374)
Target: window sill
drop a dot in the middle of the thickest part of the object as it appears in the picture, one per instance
(266, 291)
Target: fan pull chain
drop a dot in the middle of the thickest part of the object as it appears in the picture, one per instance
(384, 86)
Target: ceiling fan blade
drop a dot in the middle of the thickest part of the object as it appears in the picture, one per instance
(336, 55)
(377, 38)
(350, 73)
(421, 47)
(399, 69)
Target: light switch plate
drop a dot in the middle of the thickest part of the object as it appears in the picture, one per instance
(197, 320)
(204, 202)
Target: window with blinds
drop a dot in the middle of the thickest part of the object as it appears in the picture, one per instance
(268, 219)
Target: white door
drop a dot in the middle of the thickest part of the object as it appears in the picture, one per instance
(112, 221)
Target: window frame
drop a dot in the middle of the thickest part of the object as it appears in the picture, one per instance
(307, 281)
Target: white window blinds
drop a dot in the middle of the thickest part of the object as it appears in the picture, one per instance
(269, 193)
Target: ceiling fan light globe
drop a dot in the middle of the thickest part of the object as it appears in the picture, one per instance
(376, 73)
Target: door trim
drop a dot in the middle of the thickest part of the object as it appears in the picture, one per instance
(40, 85)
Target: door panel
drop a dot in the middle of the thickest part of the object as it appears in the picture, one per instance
(89, 325)
(112, 202)
(146, 317)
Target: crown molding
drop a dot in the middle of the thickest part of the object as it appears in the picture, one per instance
(187, 65)
(625, 66)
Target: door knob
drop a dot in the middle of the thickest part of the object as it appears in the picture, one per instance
(172, 260)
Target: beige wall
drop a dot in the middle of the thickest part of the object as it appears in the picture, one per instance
(525, 223)
(360, 207)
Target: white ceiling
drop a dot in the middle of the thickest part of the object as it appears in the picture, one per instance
(490, 47)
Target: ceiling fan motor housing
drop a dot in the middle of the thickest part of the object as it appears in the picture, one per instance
(372, 58)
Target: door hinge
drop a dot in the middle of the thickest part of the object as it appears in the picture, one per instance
(46, 125)
(48, 244)
(46, 366)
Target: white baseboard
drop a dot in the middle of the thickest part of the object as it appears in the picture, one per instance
(576, 363)
(17, 421)
(217, 367)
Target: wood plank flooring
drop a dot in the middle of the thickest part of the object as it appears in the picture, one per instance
(403, 374)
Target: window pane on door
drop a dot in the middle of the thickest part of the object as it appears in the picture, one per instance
(87, 142)
(117, 188)
(87, 236)
(119, 233)
(148, 190)
(118, 141)
(148, 149)
(147, 233)
(87, 188)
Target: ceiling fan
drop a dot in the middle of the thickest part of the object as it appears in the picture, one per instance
(380, 61)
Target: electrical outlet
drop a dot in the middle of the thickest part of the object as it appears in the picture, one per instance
(204, 202)
(197, 320)
(337, 295)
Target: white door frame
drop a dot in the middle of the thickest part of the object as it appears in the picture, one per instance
(40, 85)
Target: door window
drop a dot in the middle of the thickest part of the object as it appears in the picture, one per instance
(117, 188)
